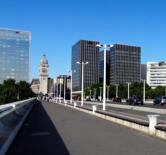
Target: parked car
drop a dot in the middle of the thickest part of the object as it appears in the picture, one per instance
(118, 99)
(135, 100)
(160, 100)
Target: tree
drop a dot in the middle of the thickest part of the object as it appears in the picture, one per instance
(8, 91)
(24, 90)
(11, 91)
(122, 91)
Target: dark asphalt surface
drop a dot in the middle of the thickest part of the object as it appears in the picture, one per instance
(137, 114)
(53, 129)
(130, 112)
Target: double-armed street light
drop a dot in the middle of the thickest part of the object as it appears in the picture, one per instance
(104, 81)
(82, 63)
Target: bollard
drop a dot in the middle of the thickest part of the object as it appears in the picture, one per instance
(94, 108)
(75, 104)
(152, 123)
(14, 106)
(65, 102)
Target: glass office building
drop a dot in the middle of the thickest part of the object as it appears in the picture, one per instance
(85, 51)
(14, 55)
(125, 64)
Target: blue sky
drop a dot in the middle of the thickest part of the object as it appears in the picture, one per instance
(57, 24)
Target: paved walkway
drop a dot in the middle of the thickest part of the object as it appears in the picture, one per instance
(53, 129)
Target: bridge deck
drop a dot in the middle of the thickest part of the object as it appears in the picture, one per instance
(53, 129)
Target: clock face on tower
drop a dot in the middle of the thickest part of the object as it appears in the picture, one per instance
(44, 70)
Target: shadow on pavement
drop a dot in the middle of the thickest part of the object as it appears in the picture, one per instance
(38, 136)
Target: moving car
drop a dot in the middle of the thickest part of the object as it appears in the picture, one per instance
(135, 100)
(160, 100)
(118, 99)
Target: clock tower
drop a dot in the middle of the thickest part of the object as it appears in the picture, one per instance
(43, 73)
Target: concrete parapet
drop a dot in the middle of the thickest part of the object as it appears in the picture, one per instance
(11, 121)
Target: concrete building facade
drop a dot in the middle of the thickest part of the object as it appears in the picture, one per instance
(156, 74)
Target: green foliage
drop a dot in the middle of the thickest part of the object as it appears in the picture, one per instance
(93, 91)
(11, 91)
(136, 88)
(122, 91)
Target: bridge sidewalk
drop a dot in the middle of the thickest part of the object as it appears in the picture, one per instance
(38, 136)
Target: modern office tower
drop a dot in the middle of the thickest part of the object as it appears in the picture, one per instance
(125, 63)
(143, 71)
(101, 67)
(85, 51)
(14, 55)
(156, 74)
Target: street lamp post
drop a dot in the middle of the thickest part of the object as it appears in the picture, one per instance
(100, 93)
(104, 81)
(64, 85)
(71, 89)
(128, 90)
(60, 90)
(116, 90)
(57, 92)
(95, 93)
(82, 93)
(144, 91)
(54, 91)
(90, 94)
(108, 87)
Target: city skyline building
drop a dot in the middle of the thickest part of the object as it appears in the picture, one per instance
(125, 64)
(156, 74)
(14, 54)
(85, 51)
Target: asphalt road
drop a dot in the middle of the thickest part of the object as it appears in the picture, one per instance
(149, 105)
(54, 129)
(129, 112)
